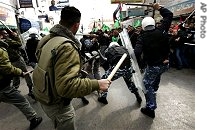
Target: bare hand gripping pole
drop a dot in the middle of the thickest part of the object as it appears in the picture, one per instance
(117, 67)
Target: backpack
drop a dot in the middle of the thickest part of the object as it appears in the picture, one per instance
(43, 74)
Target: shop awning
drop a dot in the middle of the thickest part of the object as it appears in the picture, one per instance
(9, 26)
(181, 7)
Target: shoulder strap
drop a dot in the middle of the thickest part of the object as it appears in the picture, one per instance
(49, 50)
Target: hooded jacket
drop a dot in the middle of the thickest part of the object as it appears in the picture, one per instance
(67, 66)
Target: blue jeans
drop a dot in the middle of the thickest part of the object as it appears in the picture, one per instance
(12, 96)
(151, 82)
(181, 58)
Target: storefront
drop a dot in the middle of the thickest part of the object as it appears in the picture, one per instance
(7, 14)
(181, 7)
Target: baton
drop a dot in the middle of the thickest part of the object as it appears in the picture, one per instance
(149, 5)
(101, 55)
(91, 58)
(117, 67)
(189, 16)
(28, 72)
(6, 26)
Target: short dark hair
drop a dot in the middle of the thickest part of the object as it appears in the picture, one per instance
(69, 16)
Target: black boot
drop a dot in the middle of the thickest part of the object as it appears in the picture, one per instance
(148, 112)
(30, 94)
(84, 100)
(138, 97)
(102, 100)
(35, 122)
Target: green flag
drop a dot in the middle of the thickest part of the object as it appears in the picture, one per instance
(117, 24)
(105, 28)
(115, 39)
(137, 23)
(95, 29)
(46, 29)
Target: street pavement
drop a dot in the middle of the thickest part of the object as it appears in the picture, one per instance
(175, 110)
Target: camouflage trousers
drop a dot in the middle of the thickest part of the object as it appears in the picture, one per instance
(126, 73)
(151, 82)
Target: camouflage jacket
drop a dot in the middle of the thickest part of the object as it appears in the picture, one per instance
(7, 70)
(14, 48)
(67, 81)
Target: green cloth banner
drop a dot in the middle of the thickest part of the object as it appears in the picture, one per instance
(9, 26)
(105, 28)
(117, 24)
(137, 23)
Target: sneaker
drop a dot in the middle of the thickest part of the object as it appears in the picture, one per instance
(103, 100)
(148, 112)
(30, 94)
(35, 122)
(84, 100)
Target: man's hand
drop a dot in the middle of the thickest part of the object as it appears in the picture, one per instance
(156, 6)
(166, 61)
(104, 84)
(14, 34)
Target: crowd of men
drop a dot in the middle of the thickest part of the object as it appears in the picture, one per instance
(157, 46)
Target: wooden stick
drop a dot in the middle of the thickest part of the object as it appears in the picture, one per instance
(28, 72)
(117, 67)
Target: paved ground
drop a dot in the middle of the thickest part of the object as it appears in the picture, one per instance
(175, 98)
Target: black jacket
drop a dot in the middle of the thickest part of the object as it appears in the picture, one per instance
(31, 46)
(114, 53)
(154, 43)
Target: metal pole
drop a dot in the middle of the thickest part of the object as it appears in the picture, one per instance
(18, 25)
(189, 16)
(6, 26)
(153, 15)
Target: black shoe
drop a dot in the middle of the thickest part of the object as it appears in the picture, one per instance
(148, 112)
(138, 97)
(179, 67)
(84, 100)
(103, 100)
(30, 94)
(35, 122)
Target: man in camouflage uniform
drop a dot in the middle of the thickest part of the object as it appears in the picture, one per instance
(14, 52)
(113, 54)
(9, 94)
